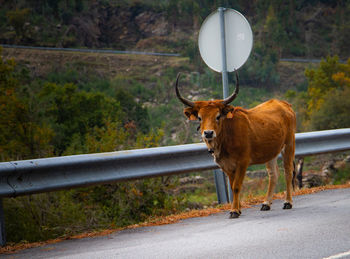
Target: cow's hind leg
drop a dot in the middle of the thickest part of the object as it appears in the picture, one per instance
(272, 170)
(288, 159)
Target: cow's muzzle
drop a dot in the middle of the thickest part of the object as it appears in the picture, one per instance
(208, 134)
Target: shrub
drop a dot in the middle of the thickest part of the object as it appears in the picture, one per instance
(334, 111)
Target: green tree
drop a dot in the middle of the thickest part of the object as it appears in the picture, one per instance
(323, 79)
(72, 112)
(326, 105)
(133, 111)
(334, 111)
(17, 19)
(22, 135)
(274, 34)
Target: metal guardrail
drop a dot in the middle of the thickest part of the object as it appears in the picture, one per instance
(305, 60)
(49, 174)
(93, 50)
(321, 142)
(58, 173)
(300, 60)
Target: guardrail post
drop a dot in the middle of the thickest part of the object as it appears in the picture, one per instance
(2, 225)
(221, 186)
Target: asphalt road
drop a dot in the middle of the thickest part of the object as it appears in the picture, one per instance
(317, 227)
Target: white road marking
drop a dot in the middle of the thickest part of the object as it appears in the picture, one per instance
(341, 255)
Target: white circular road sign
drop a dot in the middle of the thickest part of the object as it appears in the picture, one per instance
(239, 40)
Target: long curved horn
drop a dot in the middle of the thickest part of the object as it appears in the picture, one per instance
(234, 95)
(183, 100)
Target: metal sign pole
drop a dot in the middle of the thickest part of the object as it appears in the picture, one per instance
(223, 51)
(210, 39)
(2, 225)
(220, 178)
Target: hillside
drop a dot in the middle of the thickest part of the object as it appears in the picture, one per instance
(139, 67)
(294, 28)
(150, 80)
(308, 29)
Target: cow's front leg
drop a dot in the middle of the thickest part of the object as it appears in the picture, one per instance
(236, 186)
(231, 177)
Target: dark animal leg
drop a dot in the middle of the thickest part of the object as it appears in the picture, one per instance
(236, 185)
(273, 172)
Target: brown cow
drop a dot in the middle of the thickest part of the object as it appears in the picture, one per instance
(239, 137)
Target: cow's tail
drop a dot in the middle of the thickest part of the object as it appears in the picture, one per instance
(294, 176)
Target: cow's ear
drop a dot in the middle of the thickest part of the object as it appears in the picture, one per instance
(191, 114)
(228, 111)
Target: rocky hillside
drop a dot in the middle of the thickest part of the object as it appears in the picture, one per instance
(293, 28)
(98, 25)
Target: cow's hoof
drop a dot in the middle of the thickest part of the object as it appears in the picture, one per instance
(287, 206)
(234, 215)
(265, 207)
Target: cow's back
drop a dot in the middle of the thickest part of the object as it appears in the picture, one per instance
(271, 126)
(273, 111)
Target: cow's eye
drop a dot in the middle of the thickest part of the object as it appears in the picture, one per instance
(199, 118)
(218, 117)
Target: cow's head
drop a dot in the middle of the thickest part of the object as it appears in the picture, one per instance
(209, 113)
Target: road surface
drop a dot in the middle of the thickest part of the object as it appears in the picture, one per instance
(318, 226)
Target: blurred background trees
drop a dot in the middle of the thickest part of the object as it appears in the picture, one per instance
(324, 105)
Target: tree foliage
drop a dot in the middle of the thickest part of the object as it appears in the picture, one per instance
(22, 134)
(329, 88)
(326, 102)
(17, 18)
(329, 75)
(42, 118)
(334, 111)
